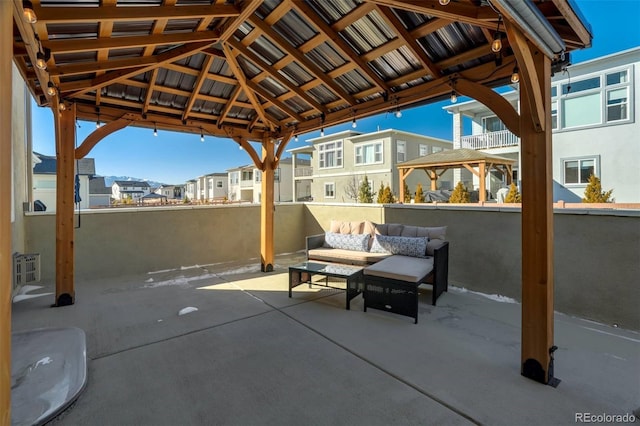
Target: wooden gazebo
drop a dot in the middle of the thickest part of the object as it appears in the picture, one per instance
(477, 162)
(264, 71)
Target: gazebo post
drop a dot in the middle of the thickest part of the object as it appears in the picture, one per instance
(6, 50)
(266, 205)
(65, 154)
(537, 220)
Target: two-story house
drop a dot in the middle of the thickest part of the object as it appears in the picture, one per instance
(214, 186)
(44, 181)
(245, 182)
(129, 190)
(595, 125)
(341, 160)
(172, 192)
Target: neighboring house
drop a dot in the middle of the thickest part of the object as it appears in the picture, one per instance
(99, 193)
(172, 192)
(595, 126)
(245, 183)
(190, 189)
(129, 190)
(340, 162)
(44, 180)
(212, 186)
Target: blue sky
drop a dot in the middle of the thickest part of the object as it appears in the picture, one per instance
(176, 157)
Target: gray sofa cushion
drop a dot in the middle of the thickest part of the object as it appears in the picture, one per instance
(355, 242)
(403, 268)
(407, 246)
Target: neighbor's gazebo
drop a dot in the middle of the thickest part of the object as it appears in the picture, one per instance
(477, 162)
(263, 71)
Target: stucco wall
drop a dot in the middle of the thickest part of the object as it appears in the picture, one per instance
(20, 160)
(597, 256)
(133, 241)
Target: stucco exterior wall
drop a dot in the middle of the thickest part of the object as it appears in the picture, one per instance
(128, 241)
(20, 162)
(596, 268)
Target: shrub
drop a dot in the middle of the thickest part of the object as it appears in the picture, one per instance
(419, 194)
(460, 194)
(186, 200)
(387, 196)
(593, 193)
(380, 199)
(365, 195)
(513, 196)
(407, 194)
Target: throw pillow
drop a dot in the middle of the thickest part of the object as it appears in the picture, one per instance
(355, 242)
(407, 246)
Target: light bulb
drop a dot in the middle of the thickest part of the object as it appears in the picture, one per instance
(398, 114)
(51, 89)
(62, 106)
(41, 61)
(155, 130)
(98, 124)
(496, 46)
(354, 124)
(296, 138)
(28, 12)
(322, 132)
(444, 2)
(515, 77)
(454, 97)
(201, 137)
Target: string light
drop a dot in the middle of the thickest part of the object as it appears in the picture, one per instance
(155, 129)
(322, 132)
(98, 120)
(28, 13)
(41, 59)
(51, 89)
(354, 124)
(62, 106)
(444, 2)
(398, 113)
(515, 77)
(201, 135)
(296, 138)
(496, 46)
(454, 97)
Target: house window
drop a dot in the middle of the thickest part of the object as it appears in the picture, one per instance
(578, 170)
(330, 155)
(424, 150)
(369, 153)
(492, 124)
(276, 175)
(233, 176)
(219, 184)
(437, 149)
(258, 176)
(401, 151)
(210, 185)
(247, 175)
(330, 190)
(554, 115)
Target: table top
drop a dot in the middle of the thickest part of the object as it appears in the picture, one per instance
(328, 269)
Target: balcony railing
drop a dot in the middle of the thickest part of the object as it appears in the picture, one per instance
(303, 171)
(500, 139)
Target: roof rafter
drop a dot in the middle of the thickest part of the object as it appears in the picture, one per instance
(197, 86)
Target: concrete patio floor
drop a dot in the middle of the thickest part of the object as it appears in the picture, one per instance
(250, 355)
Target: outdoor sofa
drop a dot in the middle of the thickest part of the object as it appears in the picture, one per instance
(396, 258)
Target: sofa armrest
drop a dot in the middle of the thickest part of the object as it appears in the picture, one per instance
(441, 267)
(313, 242)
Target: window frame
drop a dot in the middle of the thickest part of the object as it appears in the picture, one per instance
(362, 145)
(579, 159)
(333, 186)
(338, 152)
(402, 144)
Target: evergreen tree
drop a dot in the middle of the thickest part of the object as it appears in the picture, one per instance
(365, 195)
(514, 195)
(387, 196)
(419, 194)
(407, 194)
(593, 193)
(380, 199)
(460, 194)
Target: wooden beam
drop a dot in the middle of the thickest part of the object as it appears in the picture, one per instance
(523, 52)
(197, 86)
(246, 146)
(170, 56)
(242, 81)
(492, 100)
(482, 172)
(101, 133)
(283, 144)
(267, 245)
(91, 45)
(75, 15)
(6, 154)
(537, 229)
(65, 140)
(248, 8)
